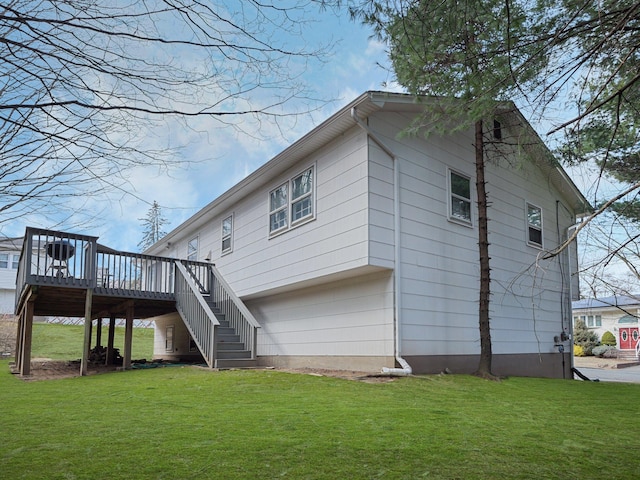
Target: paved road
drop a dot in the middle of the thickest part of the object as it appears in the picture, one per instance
(628, 374)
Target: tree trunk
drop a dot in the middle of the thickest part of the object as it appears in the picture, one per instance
(484, 366)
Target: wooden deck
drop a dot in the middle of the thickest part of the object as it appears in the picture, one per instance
(70, 302)
(69, 275)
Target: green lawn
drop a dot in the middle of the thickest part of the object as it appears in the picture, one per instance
(188, 423)
(64, 342)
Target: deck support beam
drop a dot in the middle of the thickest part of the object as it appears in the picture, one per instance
(87, 331)
(25, 334)
(99, 332)
(112, 331)
(128, 338)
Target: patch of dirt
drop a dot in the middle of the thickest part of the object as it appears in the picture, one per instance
(344, 374)
(47, 369)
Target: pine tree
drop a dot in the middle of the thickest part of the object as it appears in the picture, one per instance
(458, 52)
(152, 226)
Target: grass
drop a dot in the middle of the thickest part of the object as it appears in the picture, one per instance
(182, 423)
(64, 342)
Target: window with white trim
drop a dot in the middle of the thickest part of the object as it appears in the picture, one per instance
(534, 225)
(591, 321)
(278, 204)
(227, 234)
(15, 261)
(302, 196)
(292, 203)
(192, 249)
(168, 338)
(459, 197)
(4, 260)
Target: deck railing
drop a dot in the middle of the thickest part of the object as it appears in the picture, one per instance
(196, 313)
(235, 311)
(133, 274)
(56, 258)
(77, 261)
(64, 259)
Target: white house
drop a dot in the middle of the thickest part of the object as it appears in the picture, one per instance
(617, 314)
(9, 258)
(356, 247)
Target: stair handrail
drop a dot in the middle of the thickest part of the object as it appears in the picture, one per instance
(638, 349)
(209, 352)
(235, 299)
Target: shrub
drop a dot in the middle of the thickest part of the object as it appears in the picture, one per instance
(578, 351)
(604, 351)
(584, 337)
(608, 339)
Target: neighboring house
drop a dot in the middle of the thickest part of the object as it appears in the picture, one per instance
(356, 248)
(617, 314)
(9, 258)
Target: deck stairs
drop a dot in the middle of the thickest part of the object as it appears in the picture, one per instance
(221, 326)
(231, 352)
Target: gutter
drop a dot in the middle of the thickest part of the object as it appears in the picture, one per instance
(406, 368)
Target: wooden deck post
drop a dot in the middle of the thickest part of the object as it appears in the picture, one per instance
(87, 331)
(26, 336)
(128, 338)
(112, 331)
(99, 332)
(18, 357)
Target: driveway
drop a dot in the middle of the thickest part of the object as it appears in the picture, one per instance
(626, 374)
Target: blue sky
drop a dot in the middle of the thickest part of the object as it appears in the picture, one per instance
(222, 156)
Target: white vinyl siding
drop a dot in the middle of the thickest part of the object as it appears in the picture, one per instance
(344, 318)
(440, 273)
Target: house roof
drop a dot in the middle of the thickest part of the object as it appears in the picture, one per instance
(366, 104)
(614, 301)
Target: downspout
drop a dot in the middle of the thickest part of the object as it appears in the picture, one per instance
(406, 368)
(570, 319)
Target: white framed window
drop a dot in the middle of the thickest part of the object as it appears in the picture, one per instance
(278, 203)
(192, 249)
(168, 338)
(591, 321)
(4, 260)
(302, 196)
(227, 234)
(594, 321)
(534, 225)
(459, 197)
(15, 261)
(292, 203)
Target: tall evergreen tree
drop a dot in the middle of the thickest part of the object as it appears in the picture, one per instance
(152, 226)
(463, 54)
